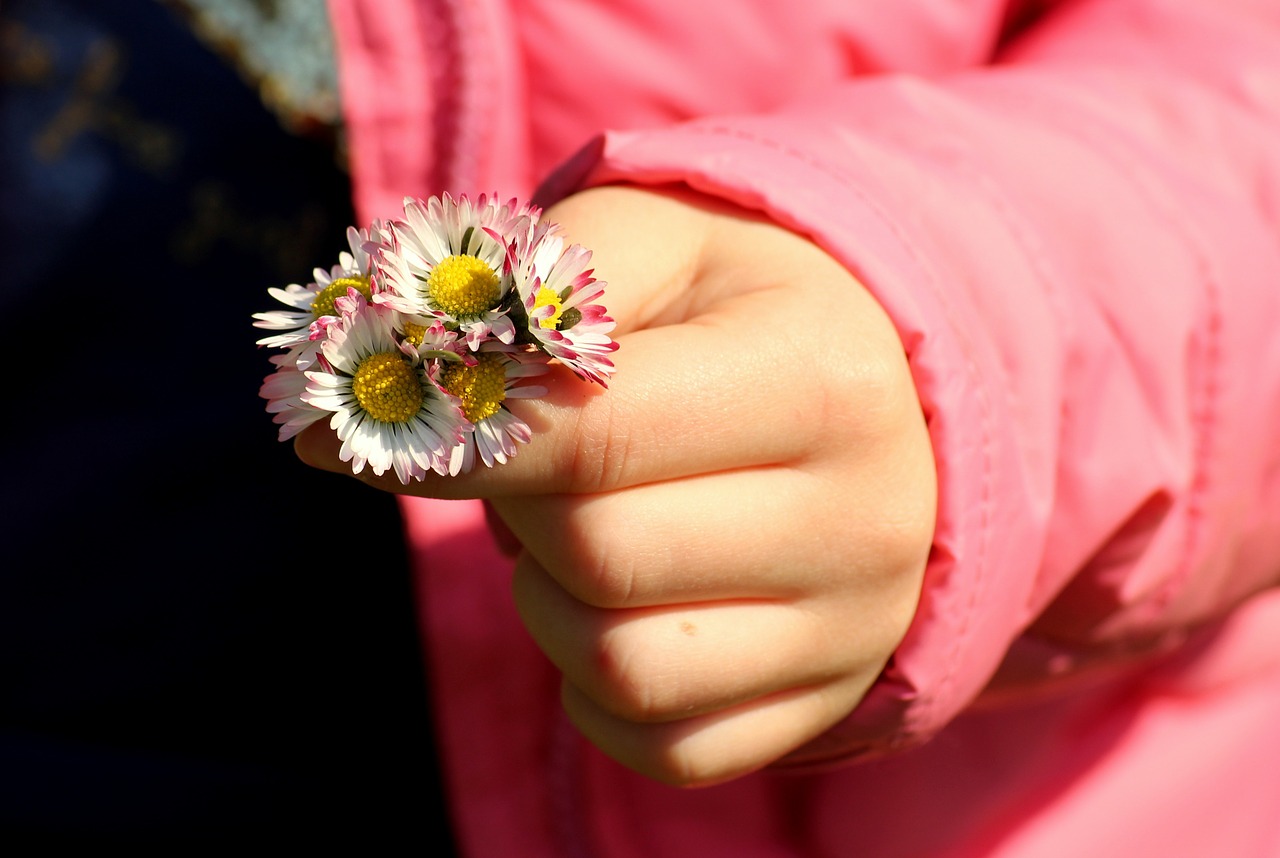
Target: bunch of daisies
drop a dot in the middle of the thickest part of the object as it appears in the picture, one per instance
(413, 343)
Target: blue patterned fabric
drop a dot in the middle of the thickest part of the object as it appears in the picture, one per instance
(200, 638)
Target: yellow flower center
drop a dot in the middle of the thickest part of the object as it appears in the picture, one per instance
(464, 286)
(414, 333)
(387, 387)
(481, 387)
(547, 297)
(322, 305)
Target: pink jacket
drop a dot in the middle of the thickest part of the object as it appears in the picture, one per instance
(1071, 211)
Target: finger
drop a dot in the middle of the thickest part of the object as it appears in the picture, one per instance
(318, 446)
(506, 541)
(703, 538)
(774, 532)
(679, 404)
(712, 748)
(686, 400)
(669, 663)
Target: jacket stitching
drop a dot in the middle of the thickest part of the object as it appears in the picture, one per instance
(1067, 117)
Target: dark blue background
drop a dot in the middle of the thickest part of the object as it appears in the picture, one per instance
(200, 638)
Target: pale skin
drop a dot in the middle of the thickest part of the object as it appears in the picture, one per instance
(721, 551)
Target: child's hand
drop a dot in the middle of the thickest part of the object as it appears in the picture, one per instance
(723, 549)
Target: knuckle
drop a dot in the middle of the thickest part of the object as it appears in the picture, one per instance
(903, 543)
(904, 537)
(691, 759)
(863, 400)
(878, 406)
(631, 680)
(678, 766)
(604, 568)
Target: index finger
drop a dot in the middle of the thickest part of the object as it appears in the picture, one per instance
(686, 399)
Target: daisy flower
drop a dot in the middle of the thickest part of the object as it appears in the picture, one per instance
(386, 409)
(414, 343)
(429, 336)
(315, 301)
(283, 391)
(447, 260)
(556, 296)
(483, 384)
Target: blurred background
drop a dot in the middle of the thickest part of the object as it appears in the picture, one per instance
(200, 638)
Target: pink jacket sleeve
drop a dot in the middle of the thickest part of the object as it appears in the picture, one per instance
(1080, 247)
